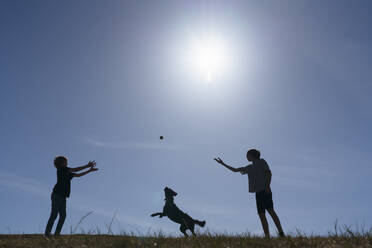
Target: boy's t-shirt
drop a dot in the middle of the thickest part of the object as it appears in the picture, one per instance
(63, 185)
(256, 175)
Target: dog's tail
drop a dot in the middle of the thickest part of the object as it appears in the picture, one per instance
(200, 223)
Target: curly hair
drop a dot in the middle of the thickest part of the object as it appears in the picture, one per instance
(59, 161)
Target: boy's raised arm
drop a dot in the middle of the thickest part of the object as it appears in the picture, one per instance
(85, 172)
(90, 164)
(218, 160)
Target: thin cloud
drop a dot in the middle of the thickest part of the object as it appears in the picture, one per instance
(23, 184)
(133, 145)
(36, 188)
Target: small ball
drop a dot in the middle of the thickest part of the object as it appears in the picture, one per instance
(161, 137)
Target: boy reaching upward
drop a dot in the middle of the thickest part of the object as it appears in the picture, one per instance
(61, 191)
(259, 177)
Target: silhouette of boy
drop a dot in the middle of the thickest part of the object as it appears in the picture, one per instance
(259, 177)
(61, 191)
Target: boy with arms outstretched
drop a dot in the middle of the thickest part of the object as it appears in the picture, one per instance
(61, 191)
(259, 177)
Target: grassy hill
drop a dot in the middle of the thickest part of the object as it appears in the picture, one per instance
(213, 241)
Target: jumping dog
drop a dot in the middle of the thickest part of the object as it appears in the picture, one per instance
(177, 215)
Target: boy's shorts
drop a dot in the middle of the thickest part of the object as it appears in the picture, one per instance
(264, 201)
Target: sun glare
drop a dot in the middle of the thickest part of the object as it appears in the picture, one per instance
(208, 56)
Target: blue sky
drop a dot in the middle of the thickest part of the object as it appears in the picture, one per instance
(104, 79)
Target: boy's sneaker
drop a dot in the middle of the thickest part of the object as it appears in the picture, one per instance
(281, 234)
(46, 237)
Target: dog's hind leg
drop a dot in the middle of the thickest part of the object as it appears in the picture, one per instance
(192, 227)
(183, 230)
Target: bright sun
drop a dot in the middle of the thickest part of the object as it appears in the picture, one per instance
(208, 56)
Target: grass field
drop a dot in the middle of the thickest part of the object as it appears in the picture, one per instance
(215, 241)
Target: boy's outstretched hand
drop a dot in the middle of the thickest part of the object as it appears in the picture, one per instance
(92, 163)
(218, 160)
(93, 169)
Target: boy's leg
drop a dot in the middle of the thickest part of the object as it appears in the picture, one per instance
(276, 221)
(62, 216)
(53, 215)
(265, 226)
(260, 203)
